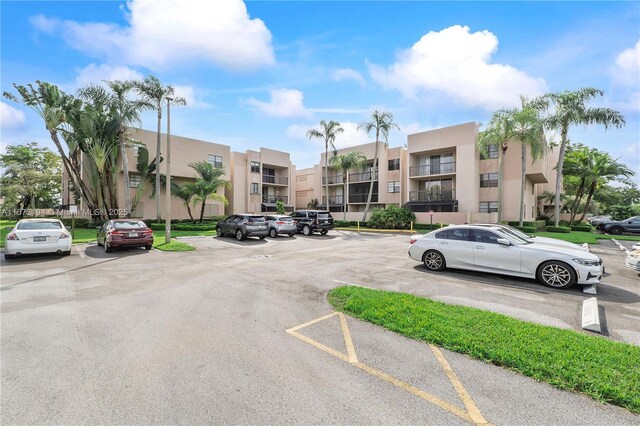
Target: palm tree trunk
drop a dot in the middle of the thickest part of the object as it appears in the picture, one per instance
(501, 155)
(189, 211)
(125, 173)
(326, 172)
(202, 209)
(563, 148)
(373, 175)
(576, 201)
(344, 195)
(523, 182)
(158, 216)
(592, 189)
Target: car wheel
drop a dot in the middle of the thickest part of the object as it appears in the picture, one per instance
(291, 235)
(148, 247)
(556, 274)
(324, 232)
(616, 230)
(66, 253)
(9, 256)
(306, 230)
(262, 237)
(98, 241)
(107, 249)
(219, 232)
(434, 260)
(273, 233)
(239, 235)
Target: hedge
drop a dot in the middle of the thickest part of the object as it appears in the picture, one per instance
(428, 226)
(206, 226)
(559, 229)
(526, 229)
(583, 228)
(536, 224)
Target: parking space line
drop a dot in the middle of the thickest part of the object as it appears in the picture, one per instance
(471, 413)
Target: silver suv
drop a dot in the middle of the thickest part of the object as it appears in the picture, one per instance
(243, 226)
(279, 224)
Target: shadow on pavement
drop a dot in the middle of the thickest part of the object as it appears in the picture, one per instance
(97, 252)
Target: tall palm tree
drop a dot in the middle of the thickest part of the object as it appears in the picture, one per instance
(570, 108)
(186, 193)
(155, 93)
(328, 133)
(207, 183)
(578, 164)
(382, 123)
(345, 162)
(499, 132)
(528, 130)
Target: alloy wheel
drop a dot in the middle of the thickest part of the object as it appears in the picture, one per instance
(433, 260)
(555, 275)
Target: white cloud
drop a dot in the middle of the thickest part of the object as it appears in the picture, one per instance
(339, 110)
(456, 63)
(283, 103)
(167, 33)
(96, 74)
(10, 117)
(626, 70)
(348, 74)
(351, 136)
(193, 99)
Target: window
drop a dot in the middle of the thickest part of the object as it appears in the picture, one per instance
(394, 186)
(254, 188)
(488, 206)
(134, 181)
(489, 180)
(216, 160)
(453, 234)
(394, 164)
(301, 178)
(255, 167)
(481, 236)
(492, 152)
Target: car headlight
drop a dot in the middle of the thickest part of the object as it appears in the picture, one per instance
(587, 262)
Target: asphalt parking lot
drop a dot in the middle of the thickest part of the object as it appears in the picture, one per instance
(226, 334)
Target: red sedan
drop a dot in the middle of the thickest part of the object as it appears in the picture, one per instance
(117, 233)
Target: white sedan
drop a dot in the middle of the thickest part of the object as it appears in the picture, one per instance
(31, 236)
(491, 249)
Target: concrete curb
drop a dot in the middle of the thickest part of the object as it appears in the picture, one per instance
(591, 315)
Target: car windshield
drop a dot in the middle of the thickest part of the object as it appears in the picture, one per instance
(129, 224)
(39, 225)
(254, 219)
(284, 218)
(324, 215)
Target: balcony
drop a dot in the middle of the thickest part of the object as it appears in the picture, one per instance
(334, 180)
(433, 169)
(433, 196)
(334, 200)
(362, 198)
(275, 198)
(362, 177)
(275, 180)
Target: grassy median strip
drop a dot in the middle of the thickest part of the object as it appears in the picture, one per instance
(161, 244)
(606, 370)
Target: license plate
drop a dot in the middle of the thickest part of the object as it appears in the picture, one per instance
(39, 239)
(133, 234)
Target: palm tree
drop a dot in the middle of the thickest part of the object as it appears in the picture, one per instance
(186, 193)
(207, 184)
(499, 132)
(382, 123)
(529, 131)
(156, 94)
(578, 164)
(329, 131)
(570, 109)
(345, 162)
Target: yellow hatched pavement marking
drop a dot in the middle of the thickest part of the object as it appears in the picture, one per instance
(472, 413)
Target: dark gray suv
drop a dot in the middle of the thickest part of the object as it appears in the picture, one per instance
(310, 221)
(243, 226)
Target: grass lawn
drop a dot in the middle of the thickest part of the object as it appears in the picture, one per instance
(587, 237)
(160, 244)
(603, 369)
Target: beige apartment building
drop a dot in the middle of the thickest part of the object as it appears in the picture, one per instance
(440, 175)
(259, 180)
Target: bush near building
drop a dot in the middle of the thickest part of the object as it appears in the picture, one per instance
(393, 217)
(559, 229)
(536, 224)
(582, 228)
(623, 212)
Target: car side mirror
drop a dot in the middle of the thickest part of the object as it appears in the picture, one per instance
(503, 241)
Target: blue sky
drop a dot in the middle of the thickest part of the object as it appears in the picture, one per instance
(262, 73)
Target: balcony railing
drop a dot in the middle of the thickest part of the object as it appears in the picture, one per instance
(362, 198)
(334, 200)
(339, 179)
(276, 180)
(275, 198)
(435, 195)
(362, 177)
(433, 169)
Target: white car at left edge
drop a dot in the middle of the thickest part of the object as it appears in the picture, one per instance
(32, 236)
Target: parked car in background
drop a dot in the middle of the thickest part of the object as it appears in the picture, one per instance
(117, 233)
(281, 224)
(310, 221)
(618, 227)
(597, 220)
(32, 236)
(490, 249)
(243, 226)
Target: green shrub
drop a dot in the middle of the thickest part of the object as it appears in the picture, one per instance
(621, 212)
(559, 229)
(526, 229)
(393, 217)
(582, 228)
(82, 223)
(536, 224)
(205, 226)
(428, 226)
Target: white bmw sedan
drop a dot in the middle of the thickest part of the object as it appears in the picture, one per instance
(37, 236)
(490, 249)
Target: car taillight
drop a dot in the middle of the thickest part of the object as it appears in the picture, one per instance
(64, 235)
(279, 223)
(115, 233)
(147, 231)
(412, 240)
(12, 237)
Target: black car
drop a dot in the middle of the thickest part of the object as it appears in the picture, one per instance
(243, 226)
(310, 221)
(618, 227)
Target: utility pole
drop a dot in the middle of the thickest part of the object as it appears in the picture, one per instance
(167, 216)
